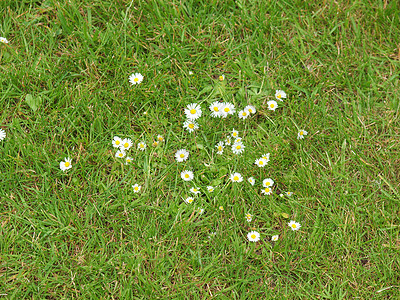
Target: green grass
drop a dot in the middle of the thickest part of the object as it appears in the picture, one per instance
(84, 234)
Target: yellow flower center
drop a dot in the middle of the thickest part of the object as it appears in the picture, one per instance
(244, 114)
(253, 236)
(128, 160)
(141, 145)
(194, 190)
(136, 188)
(221, 208)
(238, 147)
(301, 132)
(117, 142)
(236, 178)
(261, 162)
(226, 109)
(279, 96)
(190, 200)
(234, 134)
(186, 175)
(192, 111)
(126, 145)
(182, 155)
(191, 126)
(221, 77)
(294, 226)
(216, 108)
(67, 164)
(267, 183)
(267, 190)
(219, 148)
(136, 79)
(160, 138)
(120, 155)
(272, 105)
(250, 110)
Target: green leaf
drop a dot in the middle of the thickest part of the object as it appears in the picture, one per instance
(222, 171)
(33, 102)
(216, 182)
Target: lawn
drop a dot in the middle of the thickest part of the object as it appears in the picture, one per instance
(82, 231)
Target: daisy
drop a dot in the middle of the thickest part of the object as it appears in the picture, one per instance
(238, 140)
(187, 175)
(3, 40)
(266, 191)
(190, 73)
(190, 125)
(155, 144)
(136, 188)
(128, 160)
(236, 177)
(195, 190)
(261, 162)
(281, 195)
(235, 133)
(253, 236)
(288, 194)
(210, 188)
(201, 211)
(120, 154)
(250, 108)
(227, 109)
(251, 180)
(243, 114)
(274, 238)
(301, 134)
(160, 138)
(265, 156)
(193, 111)
(220, 146)
(280, 94)
(181, 155)
(2, 134)
(294, 225)
(136, 78)
(116, 142)
(238, 148)
(228, 141)
(66, 164)
(272, 105)
(216, 109)
(268, 182)
(142, 146)
(221, 208)
(249, 217)
(126, 144)
(221, 77)
(189, 200)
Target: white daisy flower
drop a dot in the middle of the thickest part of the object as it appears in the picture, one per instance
(301, 134)
(281, 195)
(136, 78)
(249, 217)
(280, 95)
(190, 73)
(238, 140)
(190, 125)
(251, 180)
(261, 162)
(116, 142)
(274, 238)
(126, 144)
(265, 156)
(2, 134)
(250, 108)
(238, 148)
(228, 141)
(201, 211)
(216, 109)
(220, 146)
(120, 154)
(268, 182)
(3, 40)
(243, 114)
(221, 208)
(227, 109)
(210, 188)
(136, 188)
(195, 190)
(221, 77)
(142, 146)
(294, 225)
(189, 200)
(236, 177)
(253, 236)
(181, 155)
(193, 111)
(66, 164)
(187, 175)
(235, 133)
(266, 191)
(272, 105)
(160, 138)
(289, 194)
(155, 144)
(128, 160)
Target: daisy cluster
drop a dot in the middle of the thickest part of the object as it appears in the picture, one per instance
(232, 140)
